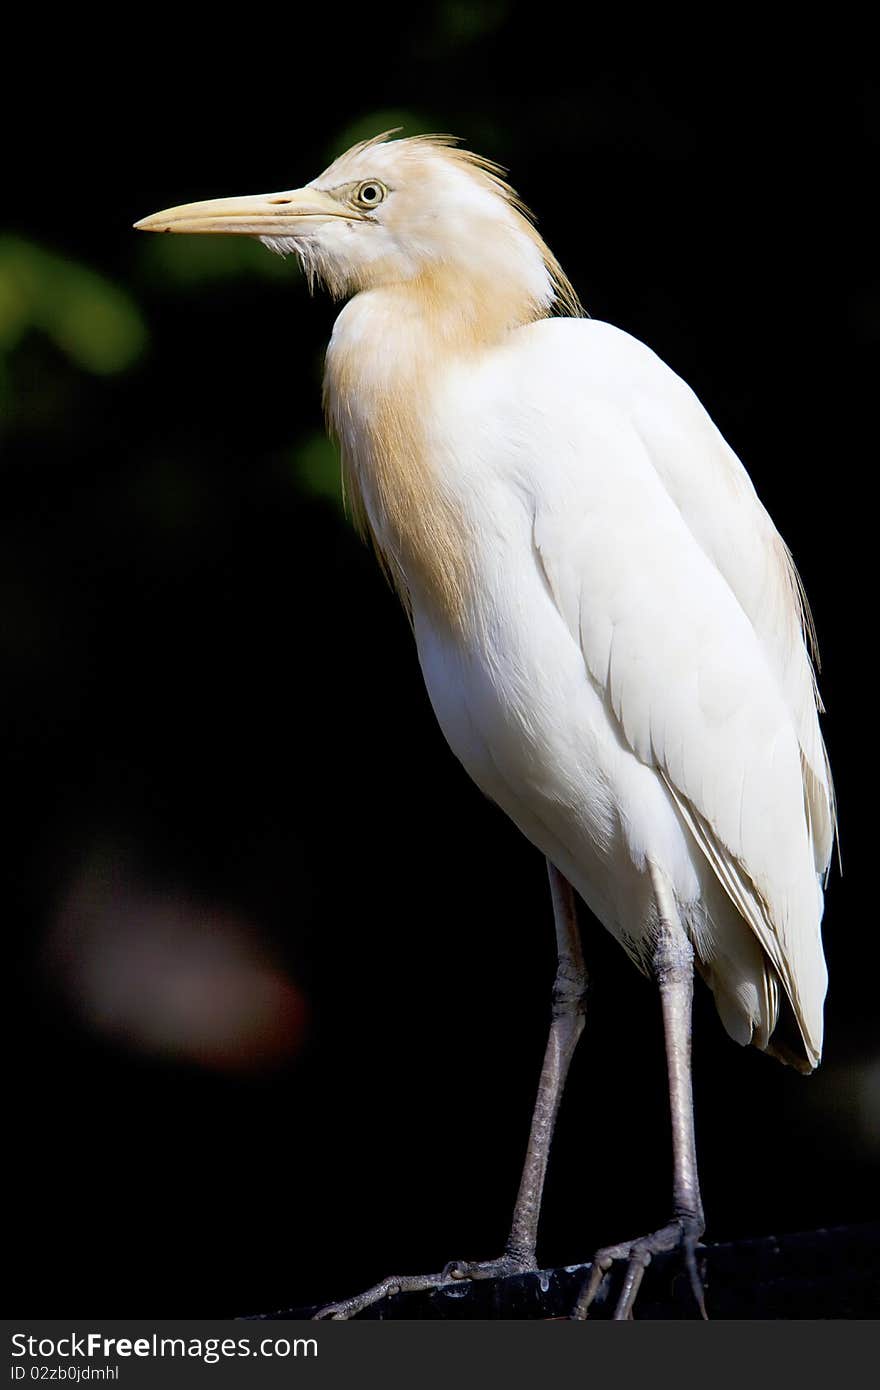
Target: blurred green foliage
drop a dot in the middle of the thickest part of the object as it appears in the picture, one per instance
(316, 468)
(194, 261)
(372, 123)
(97, 325)
(461, 22)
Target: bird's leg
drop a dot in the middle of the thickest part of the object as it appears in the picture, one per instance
(673, 969)
(566, 1026)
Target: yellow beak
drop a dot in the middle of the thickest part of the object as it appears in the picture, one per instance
(262, 214)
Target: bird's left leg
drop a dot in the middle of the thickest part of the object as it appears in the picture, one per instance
(673, 970)
(566, 1026)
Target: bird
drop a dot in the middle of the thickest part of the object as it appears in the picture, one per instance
(614, 638)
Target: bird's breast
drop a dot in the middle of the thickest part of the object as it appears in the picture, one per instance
(398, 485)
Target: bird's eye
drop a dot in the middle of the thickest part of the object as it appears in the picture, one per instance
(370, 194)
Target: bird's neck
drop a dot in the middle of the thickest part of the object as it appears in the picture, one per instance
(389, 354)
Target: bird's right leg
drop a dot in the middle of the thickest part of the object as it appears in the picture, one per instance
(566, 1026)
(673, 970)
(567, 1023)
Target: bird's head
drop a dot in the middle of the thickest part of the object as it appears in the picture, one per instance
(389, 212)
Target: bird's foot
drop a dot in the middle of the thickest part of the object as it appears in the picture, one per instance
(502, 1268)
(457, 1271)
(683, 1232)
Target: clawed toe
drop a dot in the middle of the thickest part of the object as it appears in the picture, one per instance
(403, 1283)
(454, 1272)
(681, 1233)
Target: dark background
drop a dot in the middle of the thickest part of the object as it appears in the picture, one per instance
(280, 975)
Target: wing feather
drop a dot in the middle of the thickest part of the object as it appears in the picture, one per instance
(689, 617)
(717, 500)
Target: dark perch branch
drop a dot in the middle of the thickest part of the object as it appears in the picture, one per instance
(818, 1274)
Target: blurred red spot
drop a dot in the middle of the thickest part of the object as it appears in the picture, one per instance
(165, 974)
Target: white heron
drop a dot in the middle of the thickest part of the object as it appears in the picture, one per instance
(612, 633)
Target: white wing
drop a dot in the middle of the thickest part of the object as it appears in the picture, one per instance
(715, 496)
(670, 574)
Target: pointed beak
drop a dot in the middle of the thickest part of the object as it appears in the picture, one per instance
(262, 214)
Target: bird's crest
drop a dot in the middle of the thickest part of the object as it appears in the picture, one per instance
(491, 176)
